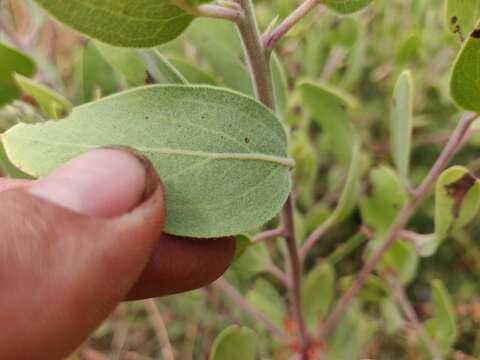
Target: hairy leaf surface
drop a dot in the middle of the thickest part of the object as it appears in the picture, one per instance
(139, 23)
(222, 156)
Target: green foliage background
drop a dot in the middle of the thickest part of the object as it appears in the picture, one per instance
(353, 63)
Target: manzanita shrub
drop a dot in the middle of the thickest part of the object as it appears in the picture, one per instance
(345, 164)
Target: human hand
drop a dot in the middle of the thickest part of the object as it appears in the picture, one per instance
(76, 243)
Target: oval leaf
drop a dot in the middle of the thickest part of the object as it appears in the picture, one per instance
(442, 327)
(222, 156)
(221, 47)
(351, 190)
(383, 198)
(266, 299)
(401, 123)
(329, 107)
(457, 200)
(319, 293)
(139, 23)
(465, 80)
(234, 343)
(253, 260)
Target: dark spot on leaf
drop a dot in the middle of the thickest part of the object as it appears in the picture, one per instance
(247, 140)
(475, 34)
(147, 118)
(149, 79)
(203, 116)
(458, 190)
(454, 19)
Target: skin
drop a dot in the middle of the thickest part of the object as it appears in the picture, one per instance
(75, 244)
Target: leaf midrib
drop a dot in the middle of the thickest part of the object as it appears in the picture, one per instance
(285, 161)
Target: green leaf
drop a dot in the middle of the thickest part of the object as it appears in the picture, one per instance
(347, 6)
(234, 343)
(253, 260)
(351, 334)
(12, 61)
(280, 86)
(52, 104)
(402, 258)
(8, 168)
(265, 298)
(380, 204)
(160, 68)
(139, 23)
(462, 16)
(319, 293)
(383, 198)
(442, 327)
(465, 79)
(401, 123)
(126, 61)
(329, 107)
(242, 242)
(426, 244)
(193, 73)
(375, 289)
(392, 316)
(141, 66)
(409, 48)
(96, 76)
(351, 190)
(222, 156)
(306, 166)
(220, 45)
(457, 200)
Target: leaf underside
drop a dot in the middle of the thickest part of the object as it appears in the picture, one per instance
(222, 156)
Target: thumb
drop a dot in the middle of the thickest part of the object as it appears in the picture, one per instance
(71, 248)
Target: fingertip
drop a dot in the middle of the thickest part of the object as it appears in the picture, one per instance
(181, 264)
(104, 182)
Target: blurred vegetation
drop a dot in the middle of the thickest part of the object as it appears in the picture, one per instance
(361, 56)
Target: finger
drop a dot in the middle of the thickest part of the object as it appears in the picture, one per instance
(182, 264)
(105, 183)
(61, 272)
(7, 184)
(191, 263)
